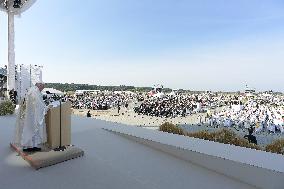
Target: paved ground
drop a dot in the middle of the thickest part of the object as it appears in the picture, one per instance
(110, 161)
(129, 117)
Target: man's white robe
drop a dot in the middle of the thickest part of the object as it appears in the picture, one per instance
(30, 126)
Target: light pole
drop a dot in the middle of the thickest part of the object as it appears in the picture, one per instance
(12, 8)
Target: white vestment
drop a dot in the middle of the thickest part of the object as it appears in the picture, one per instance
(30, 125)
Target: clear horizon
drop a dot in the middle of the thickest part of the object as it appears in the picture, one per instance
(204, 45)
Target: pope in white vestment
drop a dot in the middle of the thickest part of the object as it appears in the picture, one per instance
(30, 125)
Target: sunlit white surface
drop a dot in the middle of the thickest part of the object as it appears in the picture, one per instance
(110, 161)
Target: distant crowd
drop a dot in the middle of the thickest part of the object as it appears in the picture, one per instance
(263, 112)
(176, 105)
(100, 101)
(167, 105)
(180, 105)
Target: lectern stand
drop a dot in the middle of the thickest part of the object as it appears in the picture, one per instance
(58, 148)
(58, 126)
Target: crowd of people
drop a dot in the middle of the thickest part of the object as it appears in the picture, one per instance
(174, 105)
(262, 112)
(100, 101)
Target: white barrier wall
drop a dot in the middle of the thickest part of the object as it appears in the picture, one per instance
(257, 168)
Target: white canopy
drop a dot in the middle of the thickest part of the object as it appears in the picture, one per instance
(52, 91)
(159, 95)
(25, 5)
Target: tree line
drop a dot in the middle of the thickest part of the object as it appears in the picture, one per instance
(66, 87)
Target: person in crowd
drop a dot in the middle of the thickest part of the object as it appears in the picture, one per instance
(89, 114)
(251, 138)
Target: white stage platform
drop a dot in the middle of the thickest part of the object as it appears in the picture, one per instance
(110, 161)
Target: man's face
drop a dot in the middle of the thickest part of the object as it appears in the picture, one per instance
(40, 86)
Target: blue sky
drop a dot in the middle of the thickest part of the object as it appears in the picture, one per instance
(198, 45)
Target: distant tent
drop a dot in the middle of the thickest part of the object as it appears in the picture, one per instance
(172, 93)
(159, 95)
(52, 91)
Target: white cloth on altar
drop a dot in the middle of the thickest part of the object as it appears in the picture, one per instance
(55, 104)
(30, 125)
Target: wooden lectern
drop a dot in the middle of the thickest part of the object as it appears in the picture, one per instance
(56, 116)
(58, 140)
